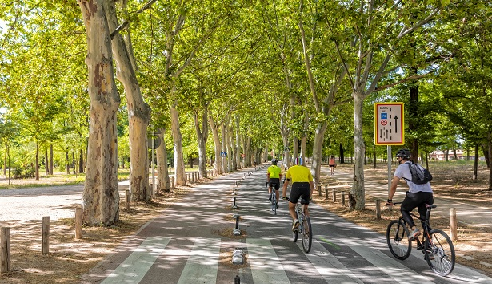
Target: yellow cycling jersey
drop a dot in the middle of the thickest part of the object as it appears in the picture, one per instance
(299, 173)
(274, 171)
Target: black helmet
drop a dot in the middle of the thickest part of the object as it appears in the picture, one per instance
(404, 153)
(274, 161)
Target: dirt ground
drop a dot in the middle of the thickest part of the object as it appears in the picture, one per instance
(69, 259)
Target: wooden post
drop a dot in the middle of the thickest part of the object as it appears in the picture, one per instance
(128, 199)
(334, 195)
(319, 190)
(453, 224)
(378, 209)
(172, 182)
(343, 198)
(326, 192)
(78, 222)
(45, 236)
(5, 250)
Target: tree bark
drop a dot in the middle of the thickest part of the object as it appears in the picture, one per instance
(201, 128)
(357, 193)
(179, 167)
(318, 151)
(163, 181)
(51, 159)
(138, 110)
(217, 145)
(100, 199)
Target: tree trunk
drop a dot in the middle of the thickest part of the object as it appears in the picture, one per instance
(67, 162)
(5, 161)
(36, 167)
(237, 145)
(217, 146)
(179, 167)
(81, 161)
(202, 135)
(46, 165)
(138, 110)
(51, 159)
(475, 164)
(357, 193)
(100, 197)
(318, 151)
(163, 181)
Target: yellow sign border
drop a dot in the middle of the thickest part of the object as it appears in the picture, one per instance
(376, 131)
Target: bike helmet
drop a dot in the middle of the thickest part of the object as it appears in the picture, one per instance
(404, 153)
(274, 161)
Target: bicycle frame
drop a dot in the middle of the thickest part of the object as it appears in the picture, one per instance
(435, 244)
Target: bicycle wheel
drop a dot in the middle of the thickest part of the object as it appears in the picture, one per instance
(307, 235)
(274, 203)
(439, 252)
(397, 239)
(296, 233)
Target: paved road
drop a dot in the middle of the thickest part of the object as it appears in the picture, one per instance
(184, 246)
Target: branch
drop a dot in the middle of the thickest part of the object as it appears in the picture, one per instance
(126, 23)
(412, 77)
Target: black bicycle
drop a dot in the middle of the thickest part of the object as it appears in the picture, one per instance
(273, 199)
(303, 228)
(435, 244)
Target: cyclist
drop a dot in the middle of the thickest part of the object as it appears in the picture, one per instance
(274, 173)
(417, 195)
(302, 187)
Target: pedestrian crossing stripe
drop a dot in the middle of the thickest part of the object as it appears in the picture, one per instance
(202, 263)
(202, 266)
(329, 267)
(265, 265)
(135, 266)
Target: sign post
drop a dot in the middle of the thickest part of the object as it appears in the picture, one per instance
(389, 128)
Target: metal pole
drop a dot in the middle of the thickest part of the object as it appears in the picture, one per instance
(388, 150)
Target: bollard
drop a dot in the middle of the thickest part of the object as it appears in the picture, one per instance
(453, 224)
(236, 230)
(237, 280)
(378, 209)
(334, 195)
(319, 190)
(78, 222)
(45, 235)
(326, 192)
(5, 250)
(172, 182)
(343, 198)
(234, 206)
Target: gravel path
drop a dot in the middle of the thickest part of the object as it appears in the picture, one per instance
(22, 205)
(30, 204)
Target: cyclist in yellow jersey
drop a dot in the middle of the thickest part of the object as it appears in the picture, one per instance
(274, 173)
(302, 187)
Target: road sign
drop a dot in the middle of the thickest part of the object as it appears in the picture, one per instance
(388, 124)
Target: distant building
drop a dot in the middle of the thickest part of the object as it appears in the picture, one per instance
(441, 155)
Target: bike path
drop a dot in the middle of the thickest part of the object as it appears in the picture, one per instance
(184, 245)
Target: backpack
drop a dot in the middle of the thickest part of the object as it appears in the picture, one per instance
(420, 175)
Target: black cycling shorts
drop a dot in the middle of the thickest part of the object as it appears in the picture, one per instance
(300, 190)
(275, 183)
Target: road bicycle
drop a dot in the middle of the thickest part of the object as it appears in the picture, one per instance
(435, 244)
(273, 199)
(303, 228)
